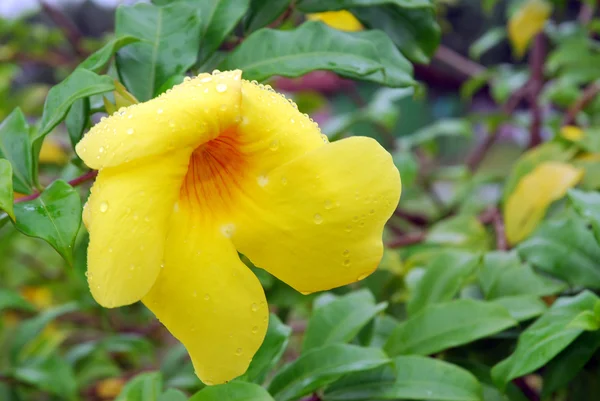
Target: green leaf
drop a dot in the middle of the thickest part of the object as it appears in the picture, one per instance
(587, 204)
(340, 320)
(487, 41)
(143, 387)
(522, 307)
(15, 146)
(417, 378)
(80, 84)
(383, 327)
(549, 151)
(413, 30)
(52, 374)
(263, 12)
(446, 127)
(218, 19)
(238, 391)
(6, 188)
(407, 165)
(359, 385)
(503, 274)
(448, 325)
(31, 328)
(173, 395)
(12, 300)
(314, 46)
(321, 366)
(100, 58)
(77, 119)
(566, 365)
(271, 350)
(462, 231)
(169, 40)
(545, 338)
(444, 276)
(567, 249)
(54, 216)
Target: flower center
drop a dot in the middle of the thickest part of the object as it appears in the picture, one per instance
(214, 174)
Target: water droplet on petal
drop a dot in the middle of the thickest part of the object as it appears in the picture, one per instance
(372, 211)
(346, 252)
(254, 329)
(103, 207)
(347, 262)
(362, 276)
(101, 150)
(348, 228)
(283, 180)
(207, 382)
(274, 144)
(221, 88)
(130, 131)
(324, 138)
(238, 351)
(262, 180)
(328, 204)
(206, 297)
(318, 218)
(194, 294)
(206, 79)
(254, 307)
(159, 111)
(304, 292)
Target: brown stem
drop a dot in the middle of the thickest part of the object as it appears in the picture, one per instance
(90, 175)
(536, 66)
(414, 218)
(476, 157)
(494, 217)
(458, 62)
(588, 94)
(313, 397)
(67, 26)
(408, 239)
(586, 13)
(527, 391)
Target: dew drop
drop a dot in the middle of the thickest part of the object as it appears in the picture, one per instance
(304, 292)
(328, 204)
(136, 217)
(101, 150)
(132, 267)
(194, 294)
(187, 79)
(215, 72)
(262, 180)
(318, 218)
(324, 138)
(238, 351)
(362, 276)
(274, 144)
(207, 382)
(104, 207)
(348, 228)
(372, 211)
(346, 252)
(221, 88)
(347, 262)
(254, 329)
(206, 79)
(206, 297)
(283, 180)
(159, 111)
(130, 131)
(292, 120)
(171, 123)
(254, 307)
(355, 219)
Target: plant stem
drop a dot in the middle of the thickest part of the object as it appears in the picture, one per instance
(90, 175)
(405, 240)
(536, 66)
(588, 94)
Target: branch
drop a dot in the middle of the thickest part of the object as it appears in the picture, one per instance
(494, 217)
(458, 62)
(414, 218)
(588, 94)
(536, 65)
(408, 239)
(67, 26)
(90, 175)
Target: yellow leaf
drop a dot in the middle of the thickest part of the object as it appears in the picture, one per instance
(527, 22)
(572, 133)
(52, 152)
(110, 388)
(527, 205)
(342, 20)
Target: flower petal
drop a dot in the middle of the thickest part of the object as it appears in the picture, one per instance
(127, 217)
(189, 115)
(317, 222)
(208, 299)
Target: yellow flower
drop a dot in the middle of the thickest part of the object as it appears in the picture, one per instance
(217, 166)
(342, 20)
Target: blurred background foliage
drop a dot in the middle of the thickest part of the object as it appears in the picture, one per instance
(487, 288)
